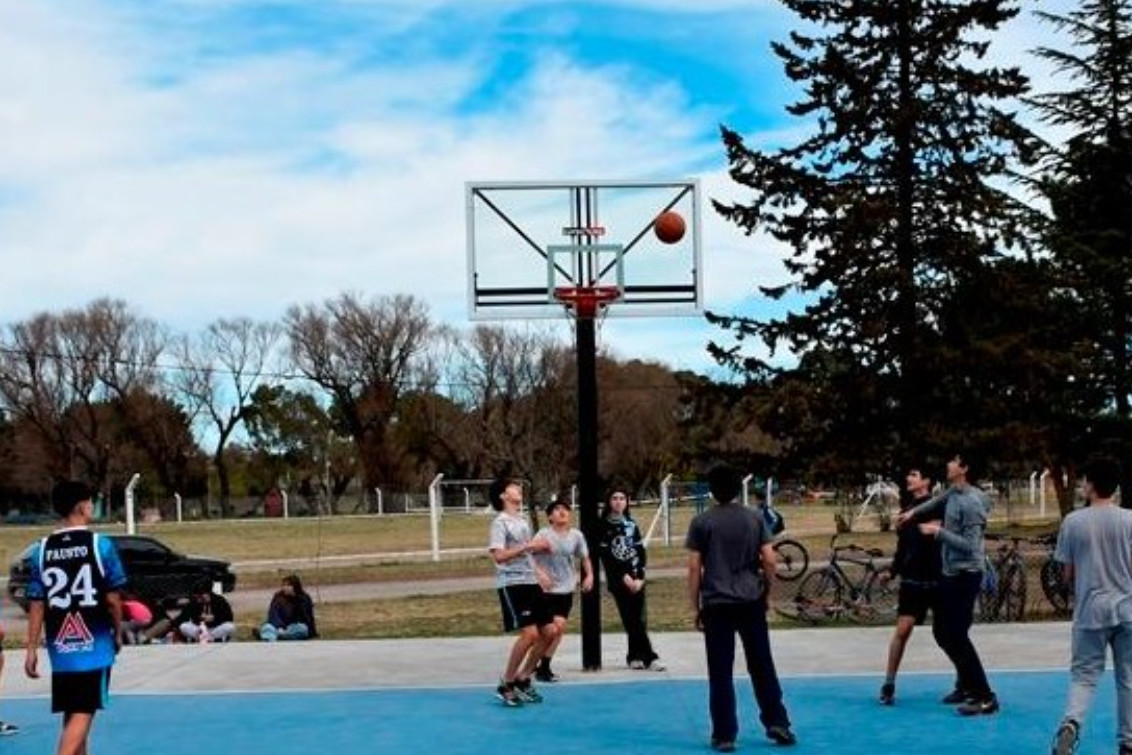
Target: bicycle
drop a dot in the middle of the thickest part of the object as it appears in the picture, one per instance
(793, 559)
(1003, 594)
(831, 593)
(1058, 592)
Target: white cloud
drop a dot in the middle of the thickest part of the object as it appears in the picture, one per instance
(196, 186)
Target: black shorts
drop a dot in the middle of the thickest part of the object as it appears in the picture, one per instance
(915, 599)
(80, 691)
(560, 604)
(523, 605)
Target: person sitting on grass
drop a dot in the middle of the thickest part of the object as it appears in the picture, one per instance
(207, 617)
(290, 615)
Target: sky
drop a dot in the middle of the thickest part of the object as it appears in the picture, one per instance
(230, 158)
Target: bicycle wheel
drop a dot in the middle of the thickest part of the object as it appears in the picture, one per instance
(1012, 594)
(819, 596)
(793, 560)
(881, 597)
(987, 602)
(1056, 590)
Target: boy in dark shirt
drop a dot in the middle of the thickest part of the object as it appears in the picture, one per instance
(731, 566)
(917, 564)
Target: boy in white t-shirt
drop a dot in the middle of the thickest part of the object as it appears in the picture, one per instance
(1094, 547)
(521, 597)
(567, 548)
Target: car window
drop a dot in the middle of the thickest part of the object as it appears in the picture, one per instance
(142, 547)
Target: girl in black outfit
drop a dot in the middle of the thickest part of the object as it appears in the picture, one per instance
(622, 551)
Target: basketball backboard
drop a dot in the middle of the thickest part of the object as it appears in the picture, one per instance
(526, 239)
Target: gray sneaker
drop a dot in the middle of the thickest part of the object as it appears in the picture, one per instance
(526, 692)
(1065, 741)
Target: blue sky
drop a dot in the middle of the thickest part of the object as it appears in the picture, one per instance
(212, 158)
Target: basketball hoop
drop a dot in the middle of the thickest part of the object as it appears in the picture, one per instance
(586, 300)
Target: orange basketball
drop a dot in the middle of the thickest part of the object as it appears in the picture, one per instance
(669, 227)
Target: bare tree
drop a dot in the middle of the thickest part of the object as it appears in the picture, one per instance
(363, 354)
(516, 390)
(59, 373)
(223, 367)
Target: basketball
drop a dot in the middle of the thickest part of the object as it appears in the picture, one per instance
(669, 227)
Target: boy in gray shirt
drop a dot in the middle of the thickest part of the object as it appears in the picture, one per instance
(567, 549)
(521, 599)
(1094, 547)
(964, 509)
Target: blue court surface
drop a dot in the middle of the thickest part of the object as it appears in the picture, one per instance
(833, 714)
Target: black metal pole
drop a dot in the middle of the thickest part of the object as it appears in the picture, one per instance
(588, 493)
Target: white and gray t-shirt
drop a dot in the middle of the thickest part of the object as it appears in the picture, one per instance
(1097, 541)
(561, 561)
(509, 531)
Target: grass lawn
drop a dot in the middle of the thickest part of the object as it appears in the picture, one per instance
(377, 549)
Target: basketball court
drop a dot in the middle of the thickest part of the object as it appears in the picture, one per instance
(404, 695)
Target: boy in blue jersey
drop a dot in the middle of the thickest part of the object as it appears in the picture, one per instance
(74, 589)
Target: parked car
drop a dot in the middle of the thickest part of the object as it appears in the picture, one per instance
(157, 574)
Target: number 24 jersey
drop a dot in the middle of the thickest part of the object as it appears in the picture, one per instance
(72, 570)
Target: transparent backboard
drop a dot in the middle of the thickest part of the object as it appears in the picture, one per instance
(525, 239)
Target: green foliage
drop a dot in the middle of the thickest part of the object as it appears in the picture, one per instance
(889, 208)
(1087, 181)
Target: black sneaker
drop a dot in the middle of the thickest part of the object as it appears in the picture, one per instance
(983, 707)
(955, 697)
(506, 694)
(723, 745)
(7, 729)
(781, 735)
(888, 693)
(546, 674)
(1065, 741)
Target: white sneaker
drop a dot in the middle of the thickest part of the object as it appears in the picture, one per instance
(637, 665)
(656, 665)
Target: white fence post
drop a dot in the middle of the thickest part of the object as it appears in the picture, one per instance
(286, 504)
(434, 506)
(747, 489)
(131, 527)
(666, 509)
(177, 498)
(1033, 489)
(1042, 494)
(770, 492)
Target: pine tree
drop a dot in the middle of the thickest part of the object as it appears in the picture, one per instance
(889, 207)
(1088, 183)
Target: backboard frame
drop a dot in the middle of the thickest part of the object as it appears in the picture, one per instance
(655, 279)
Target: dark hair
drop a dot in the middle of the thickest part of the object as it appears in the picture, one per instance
(563, 500)
(974, 465)
(295, 583)
(495, 492)
(66, 495)
(616, 488)
(724, 483)
(202, 586)
(1103, 473)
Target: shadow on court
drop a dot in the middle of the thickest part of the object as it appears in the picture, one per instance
(831, 714)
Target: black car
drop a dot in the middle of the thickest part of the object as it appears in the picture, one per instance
(157, 574)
